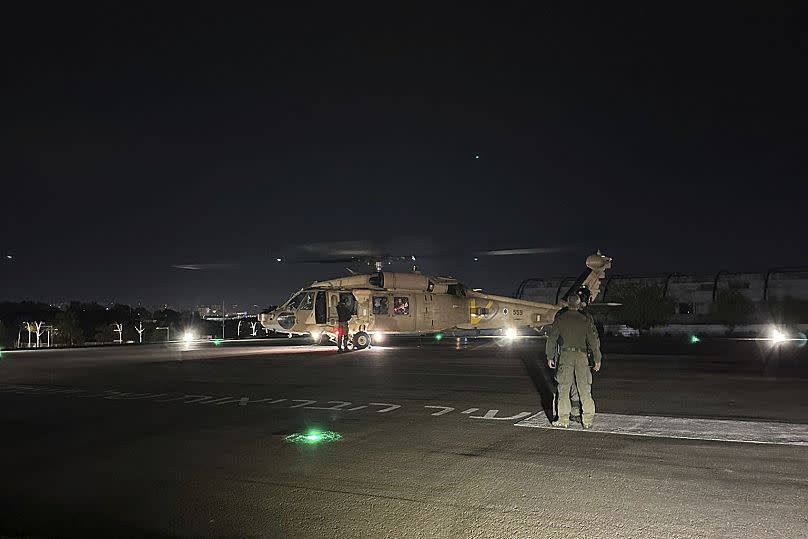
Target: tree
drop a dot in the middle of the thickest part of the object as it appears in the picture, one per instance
(642, 306)
(7, 336)
(103, 333)
(69, 331)
(731, 307)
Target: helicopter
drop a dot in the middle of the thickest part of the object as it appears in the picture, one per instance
(410, 303)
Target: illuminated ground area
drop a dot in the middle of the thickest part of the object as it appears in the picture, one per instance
(194, 441)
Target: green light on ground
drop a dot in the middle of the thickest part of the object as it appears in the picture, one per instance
(314, 437)
(217, 342)
(694, 339)
(438, 336)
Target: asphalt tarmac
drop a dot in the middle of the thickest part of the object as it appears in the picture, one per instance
(438, 439)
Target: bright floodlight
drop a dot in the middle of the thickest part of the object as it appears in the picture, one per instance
(315, 336)
(510, 334)
(777, 336)
(378, 337)
(188, 336)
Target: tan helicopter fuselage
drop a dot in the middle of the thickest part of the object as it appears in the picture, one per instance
(401, 303)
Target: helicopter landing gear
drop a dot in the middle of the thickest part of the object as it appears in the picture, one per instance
(361, 341)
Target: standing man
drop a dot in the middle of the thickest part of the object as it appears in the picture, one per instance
(343, 316)
(572, 334)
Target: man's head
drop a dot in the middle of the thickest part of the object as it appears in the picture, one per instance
(574, 301)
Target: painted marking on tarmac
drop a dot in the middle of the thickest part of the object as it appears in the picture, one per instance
(338, 405)
(304, 402)
(469, 411)
(357, 408)
(715, 430)
(390, 407)
(492, 414)
(443, 410)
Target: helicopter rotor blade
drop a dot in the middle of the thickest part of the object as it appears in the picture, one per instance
(523, 251)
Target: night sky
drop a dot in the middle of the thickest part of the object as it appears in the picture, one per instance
(135, 140)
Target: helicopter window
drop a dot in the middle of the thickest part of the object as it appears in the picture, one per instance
(307, 303)
(293, 303)
(401, 306)
(380, 305)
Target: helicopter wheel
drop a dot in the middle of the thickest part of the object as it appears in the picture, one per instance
(361, 341)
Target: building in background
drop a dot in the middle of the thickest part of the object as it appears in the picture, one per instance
(692, 295)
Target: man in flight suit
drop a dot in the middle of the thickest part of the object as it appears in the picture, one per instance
(571, 335)
(343, 316)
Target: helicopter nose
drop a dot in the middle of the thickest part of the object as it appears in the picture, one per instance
(286, 320)
(278, 321)
(269, 321)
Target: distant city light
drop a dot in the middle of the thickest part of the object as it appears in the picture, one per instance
(476, 259)
(279, 260)
(9, 257)
(476, 156)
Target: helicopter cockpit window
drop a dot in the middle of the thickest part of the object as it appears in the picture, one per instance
(401, 306)
(307, 303)
(294, 302)
(380, 305)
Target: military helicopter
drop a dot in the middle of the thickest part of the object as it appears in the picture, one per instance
(401, 303)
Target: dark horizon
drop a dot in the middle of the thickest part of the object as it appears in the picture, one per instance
(137, 140)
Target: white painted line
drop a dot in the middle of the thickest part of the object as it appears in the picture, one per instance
(390, 407)
(718, 430)
(443, 410)
(304, 402)
(469, 411)
(356, 408)
(269, 400)
(492, 414)
(338, 405)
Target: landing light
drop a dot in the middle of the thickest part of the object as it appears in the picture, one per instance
(378, 337)
(777, 336)
(511, 334)
(315, 336)
(314, 437)
(188, 336)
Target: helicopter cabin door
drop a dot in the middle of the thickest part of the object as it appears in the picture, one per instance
(334, 299)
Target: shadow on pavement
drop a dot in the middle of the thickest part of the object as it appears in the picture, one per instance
(536, 366)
